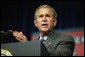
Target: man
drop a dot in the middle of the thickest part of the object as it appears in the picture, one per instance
(56, 43)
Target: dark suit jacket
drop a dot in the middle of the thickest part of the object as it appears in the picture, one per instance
(59, 44)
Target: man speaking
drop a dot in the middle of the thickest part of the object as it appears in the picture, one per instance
(57, 44)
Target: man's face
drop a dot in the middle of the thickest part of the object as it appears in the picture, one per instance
(45, 20)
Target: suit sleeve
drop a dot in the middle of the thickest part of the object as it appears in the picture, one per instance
(64, 47)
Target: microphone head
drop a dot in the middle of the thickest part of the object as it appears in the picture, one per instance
(2, 32)
(10, 31)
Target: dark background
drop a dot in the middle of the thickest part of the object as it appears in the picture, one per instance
(19, 15)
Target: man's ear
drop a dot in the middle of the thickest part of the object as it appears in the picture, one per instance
(55, 22)
(35, 23)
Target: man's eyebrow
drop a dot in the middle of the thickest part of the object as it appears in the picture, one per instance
(48, 15)
(41, 15)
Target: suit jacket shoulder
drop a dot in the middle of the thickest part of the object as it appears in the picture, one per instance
(59, 44)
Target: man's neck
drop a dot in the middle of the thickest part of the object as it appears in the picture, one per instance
(43, 33)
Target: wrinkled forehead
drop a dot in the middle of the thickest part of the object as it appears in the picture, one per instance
(44, 11)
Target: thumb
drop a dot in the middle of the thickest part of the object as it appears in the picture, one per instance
(21, 32)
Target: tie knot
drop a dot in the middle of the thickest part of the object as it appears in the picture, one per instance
(42, 40)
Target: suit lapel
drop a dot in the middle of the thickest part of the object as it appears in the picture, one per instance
(50, 38)
(49, 41)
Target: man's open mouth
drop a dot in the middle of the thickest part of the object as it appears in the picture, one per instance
(44, 25)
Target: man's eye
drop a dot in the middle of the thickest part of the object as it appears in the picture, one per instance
(41, 16)
(48, 15)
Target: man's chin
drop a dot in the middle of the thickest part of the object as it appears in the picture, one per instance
(44, 30)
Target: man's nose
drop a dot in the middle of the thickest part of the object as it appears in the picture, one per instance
(44, 19)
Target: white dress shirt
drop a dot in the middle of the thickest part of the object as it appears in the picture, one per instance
(45, 37)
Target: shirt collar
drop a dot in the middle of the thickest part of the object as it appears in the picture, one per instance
(45, 37)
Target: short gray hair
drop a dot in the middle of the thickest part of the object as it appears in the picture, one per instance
(45, 6)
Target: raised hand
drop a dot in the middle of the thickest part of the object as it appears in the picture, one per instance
(20, 36)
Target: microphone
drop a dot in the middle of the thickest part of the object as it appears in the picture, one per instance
(2, 32)
(8, 32)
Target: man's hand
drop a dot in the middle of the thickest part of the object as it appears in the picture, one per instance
(20, 36)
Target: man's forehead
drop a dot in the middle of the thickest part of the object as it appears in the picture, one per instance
(44, 11)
